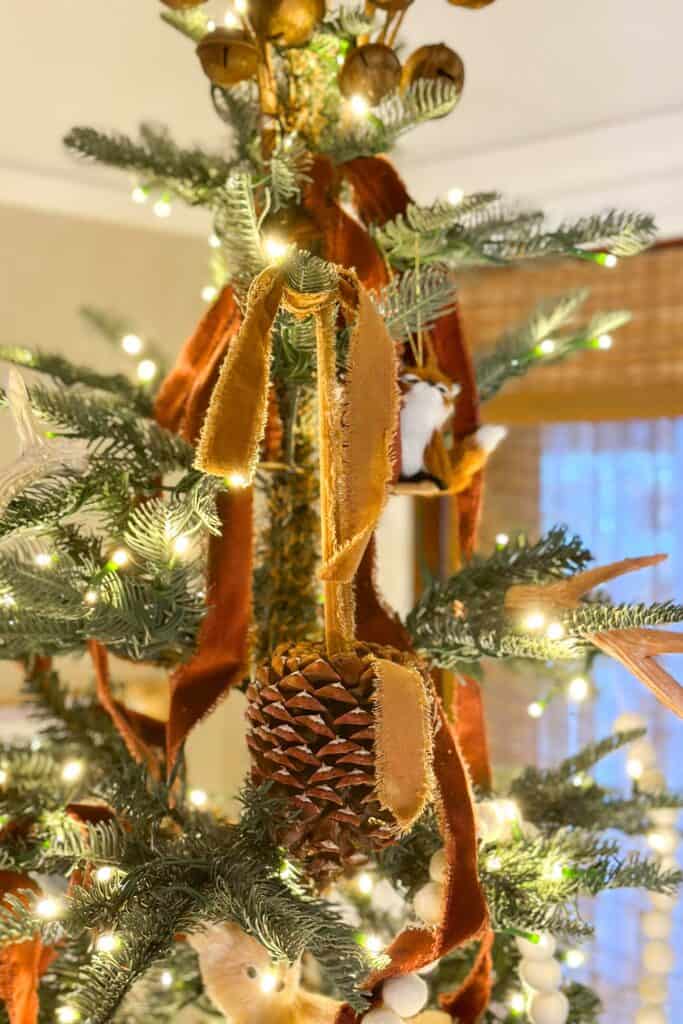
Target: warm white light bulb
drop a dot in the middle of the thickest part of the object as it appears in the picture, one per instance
(502, 539)
(240, 6)
(373, 944)
(104, 874)
(8, 601)
(341, 59)
(286, 871)
(47, 908)
(274, 248)
(358, 105)
(547, 347)
(535, 709)
(72, 771)
(230, 19)
(508, 810)
(236, 481)
(455, 196)
(610, 260)
(67, 1015)
(90, 597)
(365, 883)
(534, 621)
(209, 293)
(605, 341)
(574, 958)
(555, 631)
(578, 689)
(214, 240)
(267, 981)
(516, 1002)
(139, 194)
(494, 863)
(3, 776)
(211, 25)
(198, 798)
(107, 943)
(181, 545)
(162, 208)
(555, 873)
(131, 344)
(43, 560)
(147, 370)
(166, 979)
(120, 557)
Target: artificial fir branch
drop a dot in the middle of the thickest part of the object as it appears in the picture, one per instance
(495, 234)
(195, 176)
(519, 351)
(416, 300)
(69, 373)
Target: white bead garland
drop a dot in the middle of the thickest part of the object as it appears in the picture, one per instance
(544, 949)
(628, 721)
(549, 1008)
(437, 867)
(381, 1015)
(651, 1015)
(406, 995)
(655, 924)
(541, 975)
(428, 902)
(658, 956)
(653, 989)
(435, 1017)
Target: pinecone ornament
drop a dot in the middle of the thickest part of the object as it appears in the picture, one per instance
(312, 732)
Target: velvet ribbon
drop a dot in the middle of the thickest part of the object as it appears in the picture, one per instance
(361, 430)
(143, 735)
(22, 964)
(464, 914)
(221, 655)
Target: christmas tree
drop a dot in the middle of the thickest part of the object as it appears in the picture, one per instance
(219, 522)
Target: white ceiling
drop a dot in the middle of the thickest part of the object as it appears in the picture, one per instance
(576, 103)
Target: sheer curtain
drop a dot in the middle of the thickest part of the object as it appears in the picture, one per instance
(620, 487)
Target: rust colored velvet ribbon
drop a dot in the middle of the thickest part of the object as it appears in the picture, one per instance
(468, 1003)
(222, 645)
(464, 913)
(380, 195)
(22, 964)
(141, 733)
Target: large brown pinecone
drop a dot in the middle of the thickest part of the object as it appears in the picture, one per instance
(312, 735)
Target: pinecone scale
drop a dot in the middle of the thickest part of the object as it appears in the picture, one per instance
(312, 736)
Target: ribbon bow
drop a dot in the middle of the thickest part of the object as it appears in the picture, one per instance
(356, 429)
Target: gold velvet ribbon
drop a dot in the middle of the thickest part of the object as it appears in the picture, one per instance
(403, 741)
(358, 431)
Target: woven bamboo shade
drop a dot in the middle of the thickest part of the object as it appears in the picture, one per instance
(640, 376)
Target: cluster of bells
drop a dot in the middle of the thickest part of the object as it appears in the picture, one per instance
(370, 71)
